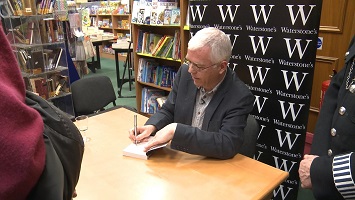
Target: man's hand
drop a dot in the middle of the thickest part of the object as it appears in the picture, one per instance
(143, 133)
(163, 136)
(304, 171)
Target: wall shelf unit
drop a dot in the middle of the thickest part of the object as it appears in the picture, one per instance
(143, 53)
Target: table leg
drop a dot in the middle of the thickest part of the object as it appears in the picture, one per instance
(121, 81)
(117, 71)
(98, 57)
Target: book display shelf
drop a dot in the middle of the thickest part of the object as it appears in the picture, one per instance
(160, 38)
(38, 42)
(113, 18)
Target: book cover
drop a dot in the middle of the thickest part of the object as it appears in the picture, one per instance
(151, 96)
(165, 53)
(153, 41)
(135, 10)
(139, 41)
(42, 31)
(37, 63)
(41, 87)
(156, 47)
(11, 8)
(164, 45)
(162, 6)
(140, 19)
(153, 17)
(30, 31)
(165, 77)
(147, 11)
(160, 45)
(137, 150)
(145, 41)
(55, 58)
(29, 7)
(175, 16)
(167, 16)
(19, 37)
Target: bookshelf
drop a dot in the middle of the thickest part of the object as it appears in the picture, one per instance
(38, 42)
(111, 17)
(139, 27)
(118, 24)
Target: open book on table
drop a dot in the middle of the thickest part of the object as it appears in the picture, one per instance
(137, 150)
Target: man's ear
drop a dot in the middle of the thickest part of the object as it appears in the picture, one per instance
(223, 67)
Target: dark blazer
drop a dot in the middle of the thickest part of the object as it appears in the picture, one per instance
(225, 117)
(334, 133)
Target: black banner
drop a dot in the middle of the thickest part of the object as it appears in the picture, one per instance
(274, 49)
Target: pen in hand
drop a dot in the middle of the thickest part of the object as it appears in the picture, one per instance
(135, 129)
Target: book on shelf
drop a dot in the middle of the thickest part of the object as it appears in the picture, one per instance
(153, 17)
(37, 63)
(29, 7)
(125, 24)
(176, 48)
(54, 30)
(140, 19)
(54, 58)
(175, 16)
(19, 37)
(137, 150)
(161, 40)
(149, 102)
(167, 16)
(11, 8)
(146, 70)
(43, 31)
(164, 76)
(167, 51)
(164, 5)
(154, 39)
(147, 11)
(39, 86)
(139, 41)
(135, 10)
(16, 6)
(151, 11)
(161, 100)
(163, 46)
(22, 59)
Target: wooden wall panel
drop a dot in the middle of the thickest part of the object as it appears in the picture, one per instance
(337, 27)
(330, 22)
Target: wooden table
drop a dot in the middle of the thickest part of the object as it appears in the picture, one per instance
(93, 65)
(168, 174)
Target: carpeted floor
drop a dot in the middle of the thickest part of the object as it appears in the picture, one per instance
(108, 68)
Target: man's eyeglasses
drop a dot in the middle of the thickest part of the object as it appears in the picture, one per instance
(195, 66)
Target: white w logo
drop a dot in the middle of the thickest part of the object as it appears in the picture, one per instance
(287, 137)
(235, 38)
(261, 43)
(261, 130)
(290, 108)
(298, 45)
(198, 11)
(283, 166)
(262, 11)
(293, 79)
(258, 73)
(229, 12)
(301, 12)
(258, 104)
(282, 192)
